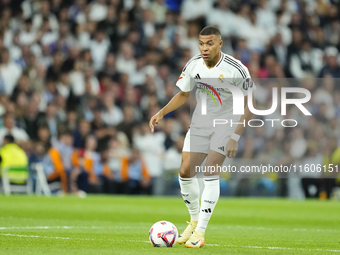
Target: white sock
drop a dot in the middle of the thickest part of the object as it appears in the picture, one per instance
(209, 199)
(190, 193)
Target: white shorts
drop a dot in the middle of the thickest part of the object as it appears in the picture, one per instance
(202, 140)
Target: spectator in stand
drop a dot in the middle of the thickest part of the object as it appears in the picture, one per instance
(195, 9)
(81, 133)
(63, 85)
(11, 155)
(30, 120)
(103, 172)
(10, 128)
(112, 115)
(93, 168)
(173, 155)
(222, 17)
(312, 178)
(255, 35)
(332, 67)
(127, 125)
(45, 12)
(54, 70)
(331, 159)
(65, 162)
(102, 131)
(91, 83)
(10, 73)
(278, 49)
(135, 174)
(44, 136)
(39, 156)
(99, 48)
(152, 148)
(306, 62)
(51, 119)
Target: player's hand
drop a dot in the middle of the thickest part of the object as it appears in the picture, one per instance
(232, 148)
(155, 120)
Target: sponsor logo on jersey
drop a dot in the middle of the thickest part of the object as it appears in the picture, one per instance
(212, 89)
(198, 77)
(248, 83)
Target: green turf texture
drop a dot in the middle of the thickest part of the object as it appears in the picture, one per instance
(120, 225)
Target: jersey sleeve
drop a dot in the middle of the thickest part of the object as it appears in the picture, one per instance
(243, 80)
(183, 82)
(184, 79)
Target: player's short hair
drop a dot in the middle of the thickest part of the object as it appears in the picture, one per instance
(209, 30)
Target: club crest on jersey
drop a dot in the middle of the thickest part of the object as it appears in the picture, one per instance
(221, 78)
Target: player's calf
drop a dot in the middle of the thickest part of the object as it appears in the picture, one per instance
(209, 200)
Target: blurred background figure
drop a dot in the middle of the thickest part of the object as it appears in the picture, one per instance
(311, 180)
(331, 161)
(11, 155)
(64, 161)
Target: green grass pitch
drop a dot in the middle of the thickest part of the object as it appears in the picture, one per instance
(120, 225)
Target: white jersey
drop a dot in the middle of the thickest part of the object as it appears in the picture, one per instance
(212, 82)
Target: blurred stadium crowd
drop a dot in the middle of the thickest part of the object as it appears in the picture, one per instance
(80, 79)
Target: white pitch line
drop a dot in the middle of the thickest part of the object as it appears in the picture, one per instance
(68, 238)
(275, 229)
(53, 237)
(65, 227)
(37, 227)
(227, 245)
(272, 248)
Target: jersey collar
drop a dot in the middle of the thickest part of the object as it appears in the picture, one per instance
(218, 63)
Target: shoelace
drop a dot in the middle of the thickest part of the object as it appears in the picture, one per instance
(186, 227)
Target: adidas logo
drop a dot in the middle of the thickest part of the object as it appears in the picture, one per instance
(206, 210)
(210, 202)
(221, 148)
(187, 202)
(197, 76)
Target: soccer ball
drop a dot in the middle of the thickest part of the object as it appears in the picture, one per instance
(163, 234)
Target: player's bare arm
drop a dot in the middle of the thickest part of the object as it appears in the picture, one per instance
(178, 100)
(232, 145)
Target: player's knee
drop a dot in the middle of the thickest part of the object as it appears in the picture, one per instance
(215, 159)
(184, 171)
